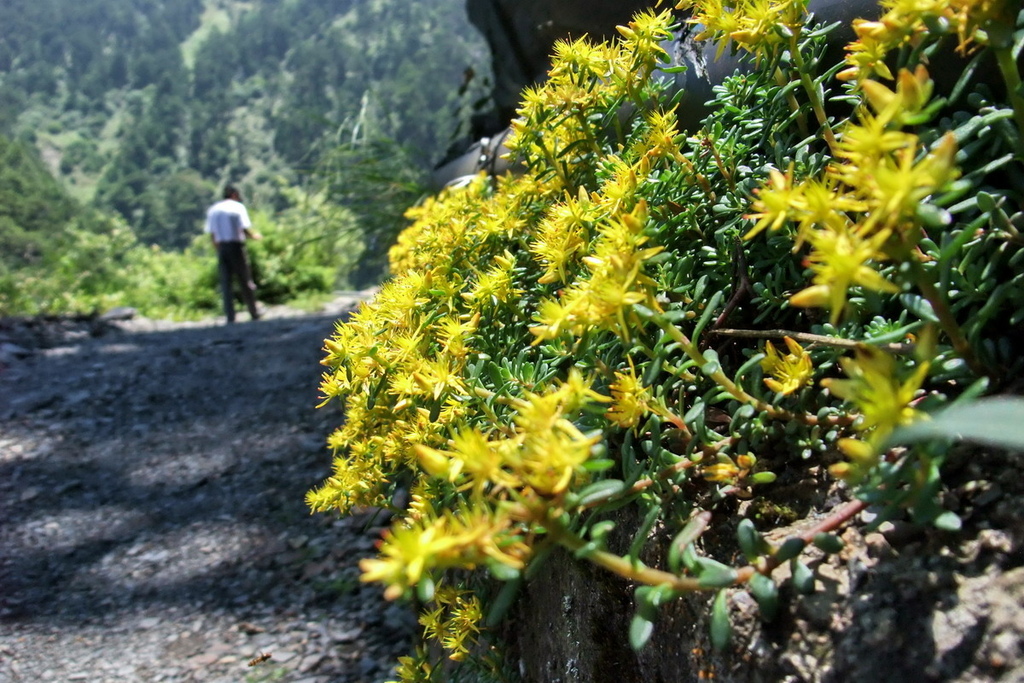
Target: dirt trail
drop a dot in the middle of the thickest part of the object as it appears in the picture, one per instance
(152, 524)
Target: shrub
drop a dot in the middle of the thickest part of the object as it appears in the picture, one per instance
(668, 320)
(98, 263)
(311, 247)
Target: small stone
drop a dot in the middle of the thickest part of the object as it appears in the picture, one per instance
(155, 556)
(989, 495)
(992, 539)
(368, 665)
(346, 636)
(9, 352)
(311, 662)
(250, 628)
(119, 313)
(878, 546)
(202, 660)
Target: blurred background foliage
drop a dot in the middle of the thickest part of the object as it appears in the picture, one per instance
(134, 114)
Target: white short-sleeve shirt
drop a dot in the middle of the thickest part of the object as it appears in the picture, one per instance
(227, 221)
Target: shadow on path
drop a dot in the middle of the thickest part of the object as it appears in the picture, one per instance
(166, 468)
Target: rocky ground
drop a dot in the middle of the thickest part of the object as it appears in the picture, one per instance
(152, 523)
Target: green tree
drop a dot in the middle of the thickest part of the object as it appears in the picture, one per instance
(377, 181)
(33, 206)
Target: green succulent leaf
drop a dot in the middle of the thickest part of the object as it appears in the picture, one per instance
(830, 543)
(640, 631)
(803, 577)
(721, 626)
(790, 548)
(766, 593)
(714, 574)
(752, 543)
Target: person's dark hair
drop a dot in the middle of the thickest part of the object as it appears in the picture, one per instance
(230, 191)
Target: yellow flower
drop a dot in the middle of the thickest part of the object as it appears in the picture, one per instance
(905, 22)
(789, 372)
(901, 183)
(776, 203)
(883, 400)
(630, 399)
(754, 25)
(416, 668)
(482, 460)
(563, 235)
(874, 387)
(618, 193)
(453, 620)
(407, 551)
(552, 449)
(578, 60)
(863, 145)
(644, 36)
(661, 141)
(463, 538)
(812, 202)
(437, 376)
(497, 284)
(357, 479)
(432, 622)
(840, 260)
(556, 316)
(721, 471)
(729, 470)
(453, 332)
(575, 392)
(866, 55)
(616, 281)
(463, 625)
(912, 95)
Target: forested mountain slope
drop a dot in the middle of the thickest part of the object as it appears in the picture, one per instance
(143, 107)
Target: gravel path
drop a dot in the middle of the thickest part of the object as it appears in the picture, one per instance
(152, 523)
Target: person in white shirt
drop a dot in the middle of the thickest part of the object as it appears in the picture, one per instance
(228, 224)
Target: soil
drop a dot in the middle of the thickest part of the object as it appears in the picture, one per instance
(152, 516)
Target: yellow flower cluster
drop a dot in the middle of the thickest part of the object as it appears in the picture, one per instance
(401, 363)
(730, 470)
(631, 399)
(415, 668)
(864, 210)
(463, 538)
(603, 231)
(453, 620)
(883, 401)
(540, 459)
(398, 393)
(757, 26)
(552, 130)
(906, 22)
(614, 281)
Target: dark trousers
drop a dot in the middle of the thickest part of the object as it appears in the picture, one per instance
(234, 266)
